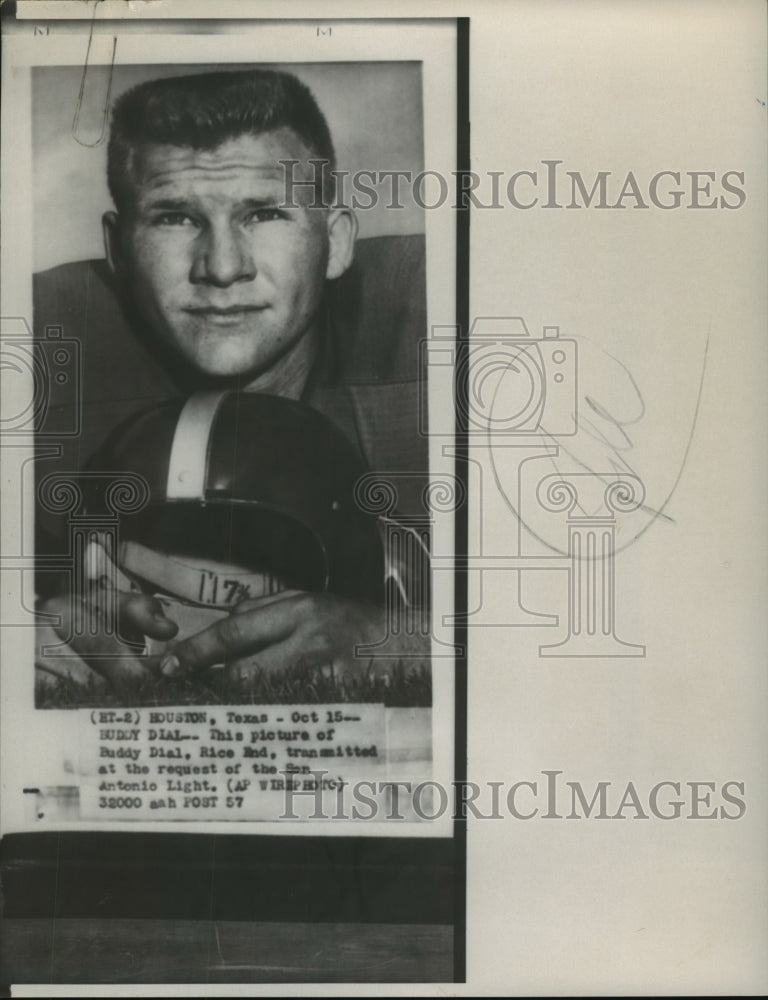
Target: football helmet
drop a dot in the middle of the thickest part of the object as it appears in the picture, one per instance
(249, 494)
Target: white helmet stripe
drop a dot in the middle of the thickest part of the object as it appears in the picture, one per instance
(189, 452)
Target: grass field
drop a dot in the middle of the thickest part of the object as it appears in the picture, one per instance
(403, 686)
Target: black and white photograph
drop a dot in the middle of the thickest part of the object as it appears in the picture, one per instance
(383, 394)
(232, 497)
(236, 505)
(238, 436)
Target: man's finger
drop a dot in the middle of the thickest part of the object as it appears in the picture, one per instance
(287, 659)
(141, 613)
(253, 603)
(138, 614)
(234, 636)
(81, 625)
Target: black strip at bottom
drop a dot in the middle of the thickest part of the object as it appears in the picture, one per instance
(193, 876)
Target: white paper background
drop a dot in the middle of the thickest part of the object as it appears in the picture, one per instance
(614, 907)
(638, 907)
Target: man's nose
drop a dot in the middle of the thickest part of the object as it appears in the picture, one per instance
(222, 257)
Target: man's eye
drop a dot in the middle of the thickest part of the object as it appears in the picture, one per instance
(265, 215)
(173, 219)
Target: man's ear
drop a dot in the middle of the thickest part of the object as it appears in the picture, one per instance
(342, 232)
(113, 249)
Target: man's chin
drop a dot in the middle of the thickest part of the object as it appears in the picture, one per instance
(225, 370)
(225, 360)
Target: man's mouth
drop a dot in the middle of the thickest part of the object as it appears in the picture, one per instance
(224, 315)
(223, 310)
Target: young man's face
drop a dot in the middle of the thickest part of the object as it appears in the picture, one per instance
(218, 267)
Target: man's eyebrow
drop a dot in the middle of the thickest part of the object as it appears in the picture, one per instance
(260, 202)
(187, 204)
(169, 204)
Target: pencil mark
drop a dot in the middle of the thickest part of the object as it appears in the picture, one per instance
(625, 443)
(690, 435)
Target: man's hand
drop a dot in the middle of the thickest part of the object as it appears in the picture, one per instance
(291, 631)
(93, 655)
